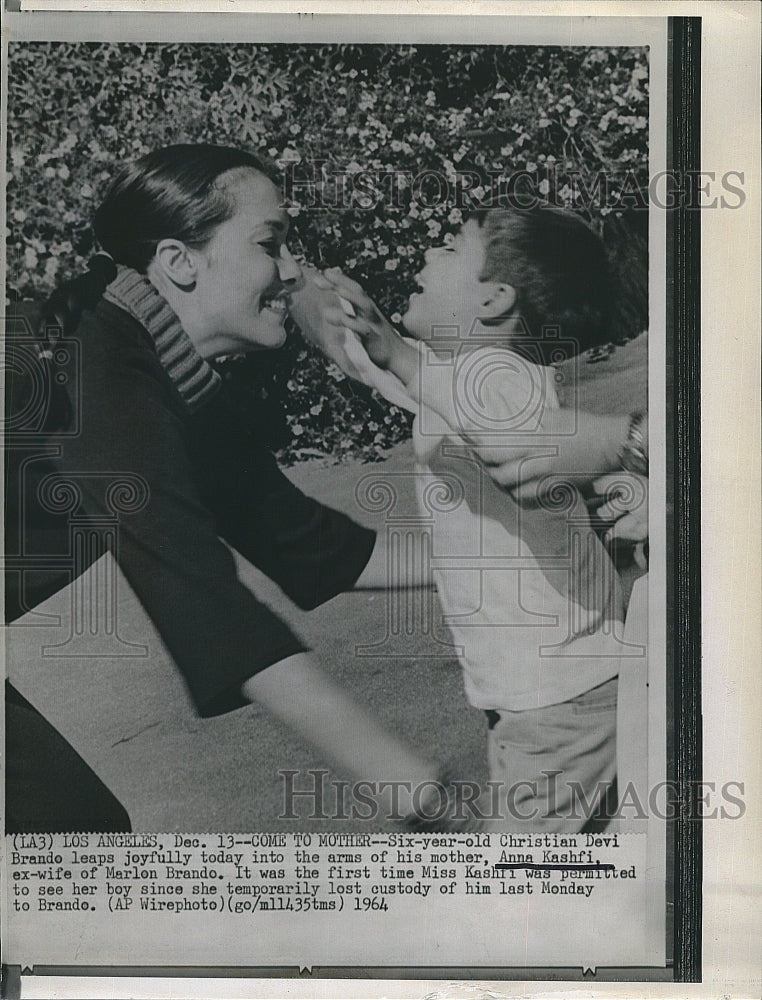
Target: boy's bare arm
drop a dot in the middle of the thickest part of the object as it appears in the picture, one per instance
(569, 442)
(430, 385)
(383, 344)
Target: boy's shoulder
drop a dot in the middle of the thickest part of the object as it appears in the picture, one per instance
(496, 373)
(485, 388)
(477, 350)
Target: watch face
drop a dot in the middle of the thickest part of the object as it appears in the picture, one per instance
(633, 457)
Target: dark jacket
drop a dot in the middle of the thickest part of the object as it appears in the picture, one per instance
(175, 478)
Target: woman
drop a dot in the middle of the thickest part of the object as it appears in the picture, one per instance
(198, 237)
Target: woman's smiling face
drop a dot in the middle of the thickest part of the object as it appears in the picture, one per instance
(245, 271)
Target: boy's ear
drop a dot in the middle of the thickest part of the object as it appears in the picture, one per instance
(176, 262)
(498, 300)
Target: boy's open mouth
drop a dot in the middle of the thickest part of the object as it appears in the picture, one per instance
(277, 303)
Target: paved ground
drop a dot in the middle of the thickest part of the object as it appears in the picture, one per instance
(129, 716)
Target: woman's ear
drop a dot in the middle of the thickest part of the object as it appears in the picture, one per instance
(176, 262)
(498, 300)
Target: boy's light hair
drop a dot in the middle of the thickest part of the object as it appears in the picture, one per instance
(558, 268)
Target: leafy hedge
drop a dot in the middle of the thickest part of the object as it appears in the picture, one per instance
(77, 111)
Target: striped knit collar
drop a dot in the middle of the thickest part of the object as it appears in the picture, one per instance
(192, 376)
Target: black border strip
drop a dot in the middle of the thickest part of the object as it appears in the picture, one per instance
(683, 332)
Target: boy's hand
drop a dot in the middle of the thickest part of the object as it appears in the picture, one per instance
(308, 306)
(383, 344)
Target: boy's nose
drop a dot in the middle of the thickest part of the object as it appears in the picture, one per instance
(434, 253)
(289, 271)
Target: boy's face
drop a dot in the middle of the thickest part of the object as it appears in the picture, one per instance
(452, 297)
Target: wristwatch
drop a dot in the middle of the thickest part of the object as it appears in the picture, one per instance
(634, 456)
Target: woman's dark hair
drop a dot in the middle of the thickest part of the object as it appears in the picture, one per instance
(172, 192)
(169, 193)
(559, 270)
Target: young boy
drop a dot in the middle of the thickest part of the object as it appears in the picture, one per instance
(529, 592)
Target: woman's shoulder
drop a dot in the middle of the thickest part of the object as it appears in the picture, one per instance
(113, 325)
(106, 336)
(117, 356)
(111, 337)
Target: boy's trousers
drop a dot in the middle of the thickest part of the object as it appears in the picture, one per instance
(553, 765)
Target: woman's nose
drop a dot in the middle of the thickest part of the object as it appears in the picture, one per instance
(289, 271)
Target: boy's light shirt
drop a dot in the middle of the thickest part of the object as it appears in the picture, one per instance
(530, 594)
(360, 365)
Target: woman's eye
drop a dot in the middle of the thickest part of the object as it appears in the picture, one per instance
(271, 246)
